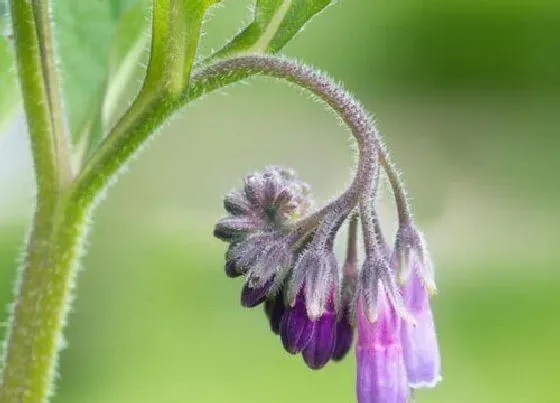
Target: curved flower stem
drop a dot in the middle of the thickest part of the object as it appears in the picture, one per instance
(367, 216)
(121, 144)
(335, 96)
(404, 212)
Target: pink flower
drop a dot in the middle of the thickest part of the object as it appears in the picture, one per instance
(381, 369)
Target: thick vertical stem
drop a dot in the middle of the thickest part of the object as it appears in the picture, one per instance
(33, 336)
(35, 98)
(41, 307)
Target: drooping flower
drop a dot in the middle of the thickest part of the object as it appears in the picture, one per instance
(419, 339)
(310, 326)
(296, 329)
(381, 376)
(320, 348)
(344, 335)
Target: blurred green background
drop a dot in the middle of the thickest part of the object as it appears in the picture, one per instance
(466, 94)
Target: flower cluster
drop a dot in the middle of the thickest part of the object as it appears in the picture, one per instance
(314, 304)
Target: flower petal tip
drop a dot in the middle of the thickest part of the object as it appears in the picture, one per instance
(424, 384)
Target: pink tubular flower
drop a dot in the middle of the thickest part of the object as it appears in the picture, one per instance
(421, 351)
(381, 370)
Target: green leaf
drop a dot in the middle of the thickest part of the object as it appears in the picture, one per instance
(84, 33)
(195, 11)
(176, 31)
(275, 23)
(122, 60)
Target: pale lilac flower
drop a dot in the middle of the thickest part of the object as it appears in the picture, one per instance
(419, 339)
(381, 374)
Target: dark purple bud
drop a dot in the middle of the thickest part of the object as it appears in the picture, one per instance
(274, 308)
(253, 296)
(320, 348)
(344, 337)
(231, 269)
(296, 329)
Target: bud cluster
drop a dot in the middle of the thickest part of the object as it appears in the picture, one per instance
(313, 303)
(292, 270)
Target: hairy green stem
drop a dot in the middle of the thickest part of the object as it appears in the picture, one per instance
(61, 144)
(175, 82)
(41, 307)
(34, 325)
(35, 97)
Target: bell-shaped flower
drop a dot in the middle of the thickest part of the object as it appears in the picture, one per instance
(419, 339)
(381, 375)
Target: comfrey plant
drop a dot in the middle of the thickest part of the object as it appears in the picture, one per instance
(282, 248)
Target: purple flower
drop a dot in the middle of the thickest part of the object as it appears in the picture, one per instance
(344, 336)
(320, 339)
(381, 370)
(320, 348)
(315, 285)
(419, 339)
(296, 329)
